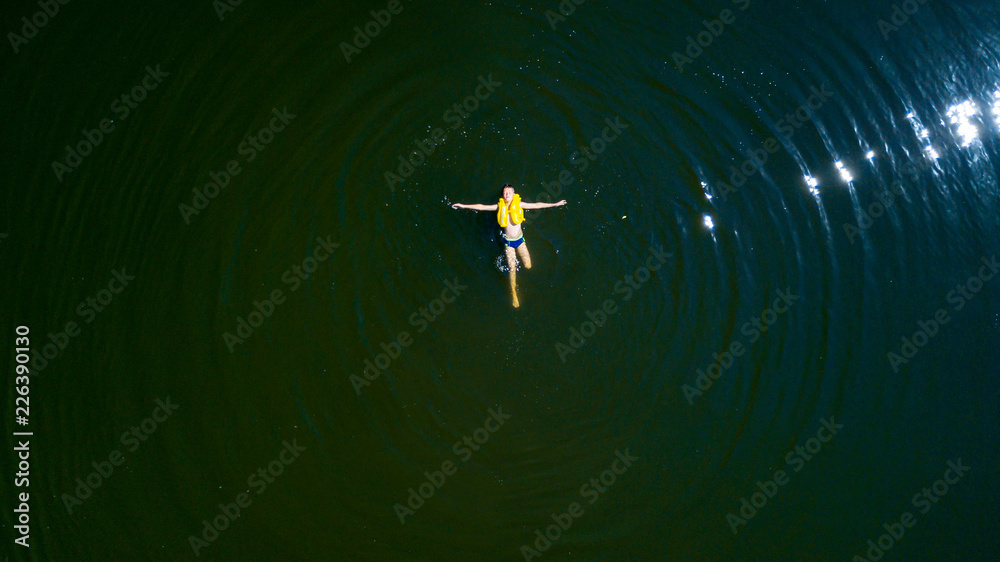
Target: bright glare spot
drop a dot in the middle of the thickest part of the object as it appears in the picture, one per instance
(931, 153)
(925, 134)
(909, 115)
(814, 191)
(709, 223)
(811, 181)
(707, 194)
(843, 171)
(870, 155)
(961, 115)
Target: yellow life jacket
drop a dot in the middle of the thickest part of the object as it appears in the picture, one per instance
(515, 212)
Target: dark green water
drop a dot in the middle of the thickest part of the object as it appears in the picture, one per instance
(152, 403)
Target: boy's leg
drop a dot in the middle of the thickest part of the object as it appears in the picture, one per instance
(512, 264)
(522, 251)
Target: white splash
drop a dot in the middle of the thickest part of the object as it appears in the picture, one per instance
(843, 171)
(961, 116)
(996, 107)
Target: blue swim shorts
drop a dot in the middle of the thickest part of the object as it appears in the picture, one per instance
(513, 243)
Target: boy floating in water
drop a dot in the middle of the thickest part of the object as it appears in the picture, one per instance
(510, 215)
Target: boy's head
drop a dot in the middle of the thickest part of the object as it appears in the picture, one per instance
(507, 192)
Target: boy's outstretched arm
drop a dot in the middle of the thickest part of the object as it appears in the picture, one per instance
(475, 207)
(542, 205)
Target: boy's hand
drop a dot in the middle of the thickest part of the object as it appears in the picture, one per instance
(458, 206)
(561, 203)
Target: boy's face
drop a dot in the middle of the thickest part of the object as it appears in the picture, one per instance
(508, 194)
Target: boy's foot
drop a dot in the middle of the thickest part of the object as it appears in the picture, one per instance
(516, 304)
